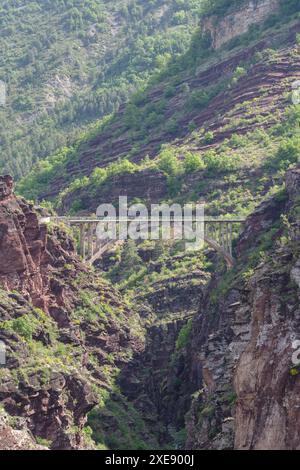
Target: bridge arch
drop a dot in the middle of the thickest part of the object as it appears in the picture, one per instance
(218, 234)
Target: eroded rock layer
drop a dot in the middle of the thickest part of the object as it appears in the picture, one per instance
(64, 329)
(243, 346)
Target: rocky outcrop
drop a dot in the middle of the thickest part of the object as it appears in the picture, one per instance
(248, 384)
(293, 185)
(6, 186)
(262, 219)
(65, 330)
(267, 407)
(16, 436)
(238, 22)
(29, 257)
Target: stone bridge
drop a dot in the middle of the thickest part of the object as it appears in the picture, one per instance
(218, 234)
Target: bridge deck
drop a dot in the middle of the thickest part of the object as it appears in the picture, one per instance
(93, 220)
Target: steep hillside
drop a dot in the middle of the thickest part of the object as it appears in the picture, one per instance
(66, 333)
(223, 106)
(68, 63)
(242, 343)
(218, 369)
(219, 345)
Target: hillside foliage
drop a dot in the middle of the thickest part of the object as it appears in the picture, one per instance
(68, 63)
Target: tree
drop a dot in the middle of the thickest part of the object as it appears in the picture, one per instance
(168, 162)
(130, 261)
(193, 162)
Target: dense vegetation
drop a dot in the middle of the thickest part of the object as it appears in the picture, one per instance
(273, 152)
(67, 69)
(68, 63)
(143, 118)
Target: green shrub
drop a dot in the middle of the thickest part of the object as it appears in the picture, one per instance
(237, 141)
(199, 99)
(170, 92)
(208, 138)
(121, 167)
(287, 154)
(238, 73)
(184, 335)
(168, 162)
(192, 162)
(24, 326)
(221, 163)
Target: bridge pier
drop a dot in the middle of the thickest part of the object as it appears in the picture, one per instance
(82, 240)
(88, 241)
(91, 241)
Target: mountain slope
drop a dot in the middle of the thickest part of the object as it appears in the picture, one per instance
(204, 102)
(67, 64)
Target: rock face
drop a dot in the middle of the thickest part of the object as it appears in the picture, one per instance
(238, 22)
(248, 384)
(267, 408)
(64, 328)
(28, 256)
(6, 186)
(156, 380)
(17, 437)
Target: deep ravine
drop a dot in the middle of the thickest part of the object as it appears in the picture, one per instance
(155, 346)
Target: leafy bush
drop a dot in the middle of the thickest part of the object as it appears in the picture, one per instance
(184, 335)
(192, 162)
(199, 99)
(208, 138)
(168, 162)
(287, 154)
(222, 162)
(24, 327)
(238, 73)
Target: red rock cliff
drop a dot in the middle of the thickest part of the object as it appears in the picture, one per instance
(30, 257)
(57, 353)
(242, 353)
